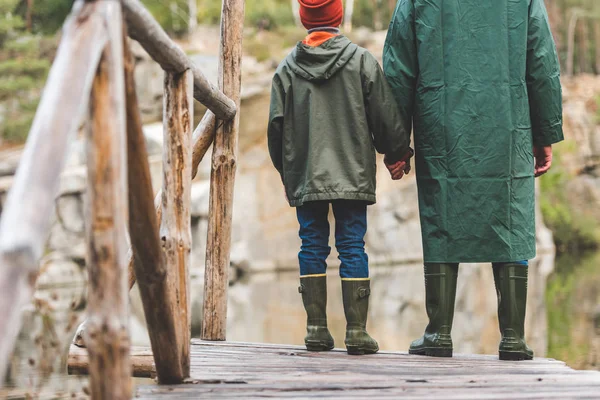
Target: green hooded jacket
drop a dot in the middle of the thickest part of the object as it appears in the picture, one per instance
(331, 108)
(480, 82)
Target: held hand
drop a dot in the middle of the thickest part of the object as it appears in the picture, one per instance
(543, 159)
(400, 168)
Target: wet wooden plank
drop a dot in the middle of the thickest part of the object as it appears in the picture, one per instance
(229, 370)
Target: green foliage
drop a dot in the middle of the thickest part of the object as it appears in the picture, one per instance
(30, 68)
(263, 14)
(570, 290)
(209, 11)
(172, 15)
(264, 45)
(269, 14)
(574, 232)
(47, 16)
(24, 65)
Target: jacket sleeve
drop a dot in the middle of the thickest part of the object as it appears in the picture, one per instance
(400, 62)
(275, 128)
(390, 135)
(543, 78)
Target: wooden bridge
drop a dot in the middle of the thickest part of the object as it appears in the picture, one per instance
(91, 87)
(222, 370)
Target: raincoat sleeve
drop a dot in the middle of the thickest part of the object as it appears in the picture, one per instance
(390, 135)
(400, 62)
(543, 78)
(275, 129)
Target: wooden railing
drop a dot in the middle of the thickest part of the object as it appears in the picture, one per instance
(92, 80)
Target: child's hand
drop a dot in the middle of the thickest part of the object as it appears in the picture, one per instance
(398, 170)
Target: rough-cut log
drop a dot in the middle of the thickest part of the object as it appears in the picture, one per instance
(144, 28)
(142, 362)
(107, 333)
(107, 309)
(222, 177)
(203, 137)
(175, 229)
(26, 215)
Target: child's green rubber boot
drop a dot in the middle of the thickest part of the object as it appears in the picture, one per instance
(314, 296)
(355, 294)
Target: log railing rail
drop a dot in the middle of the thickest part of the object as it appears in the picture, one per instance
(92, 80)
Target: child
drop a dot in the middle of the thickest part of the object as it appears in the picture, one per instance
(331, 108)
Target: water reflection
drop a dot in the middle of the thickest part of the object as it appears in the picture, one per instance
(573, 298)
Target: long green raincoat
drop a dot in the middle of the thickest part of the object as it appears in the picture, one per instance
(479, 80)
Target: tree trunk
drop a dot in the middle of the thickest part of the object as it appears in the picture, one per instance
(583, 46)
(571, 42)
(108, 317)
(222, 177)
(377, 25)
(193, 16)
(175, 228)
(348, 15)
(597, 45)
(29, 16)
(555, 18)
(26, 215)
(296, 12)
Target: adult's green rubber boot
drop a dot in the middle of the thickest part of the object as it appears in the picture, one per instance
(314, 296)
(355, 293)
(511, 288)
(440, 293)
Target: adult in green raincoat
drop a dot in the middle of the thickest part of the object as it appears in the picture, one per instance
(479, 81)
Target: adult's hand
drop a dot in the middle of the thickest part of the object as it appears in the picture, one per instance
(543, 159)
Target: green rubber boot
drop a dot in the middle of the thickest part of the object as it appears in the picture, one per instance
(511, 288)
(440, 293)
(355, 294)
(314, 296)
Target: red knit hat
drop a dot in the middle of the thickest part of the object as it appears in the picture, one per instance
(321, 13)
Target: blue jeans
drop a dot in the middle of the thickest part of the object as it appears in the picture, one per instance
(350, 229)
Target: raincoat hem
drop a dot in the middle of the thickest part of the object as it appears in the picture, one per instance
(370, 198)
(526, 256)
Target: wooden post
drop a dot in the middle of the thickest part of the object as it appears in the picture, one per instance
(203, 138)
(107, 330)
(175, 228)
(223, 176)
(144, 28)
(26, 215)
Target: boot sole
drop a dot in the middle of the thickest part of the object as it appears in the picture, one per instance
(318, 346)
(432, 352)
(359, 351)
(514, 356)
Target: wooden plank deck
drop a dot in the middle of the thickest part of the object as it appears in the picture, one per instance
(228, 370)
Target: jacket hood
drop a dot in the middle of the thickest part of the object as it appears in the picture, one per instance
(322, 62)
